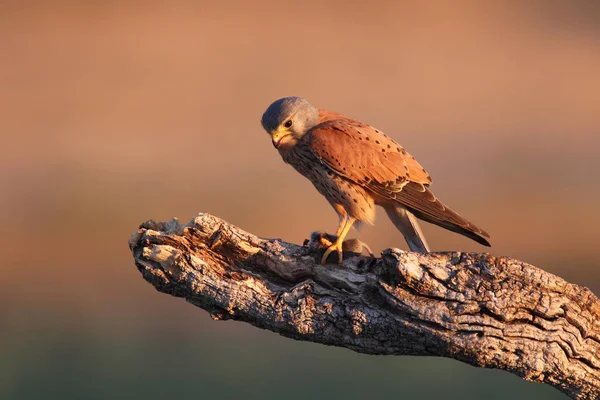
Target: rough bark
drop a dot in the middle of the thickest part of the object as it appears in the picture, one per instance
(488, 311)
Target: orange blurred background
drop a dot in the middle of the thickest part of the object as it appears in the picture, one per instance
(113, 113)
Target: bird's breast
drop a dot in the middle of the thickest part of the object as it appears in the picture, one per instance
(357, 201)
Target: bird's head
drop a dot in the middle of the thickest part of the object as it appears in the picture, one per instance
(288, 119)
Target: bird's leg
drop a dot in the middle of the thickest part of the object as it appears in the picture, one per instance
(342, 214)
(337, 246)
(340, 226)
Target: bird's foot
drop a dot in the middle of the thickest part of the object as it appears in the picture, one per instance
(320, 240)
(337, 247)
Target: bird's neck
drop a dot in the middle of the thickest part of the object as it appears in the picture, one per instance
(289, 150)
(286, 150)
(326, 115)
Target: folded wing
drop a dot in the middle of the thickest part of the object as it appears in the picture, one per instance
(371, 159)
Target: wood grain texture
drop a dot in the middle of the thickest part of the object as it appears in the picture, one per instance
(488, 311)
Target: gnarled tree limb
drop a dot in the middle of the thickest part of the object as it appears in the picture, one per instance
(488, 311)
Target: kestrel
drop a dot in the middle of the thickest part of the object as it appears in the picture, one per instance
(357, 167)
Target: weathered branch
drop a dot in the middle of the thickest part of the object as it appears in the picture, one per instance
(488, 311)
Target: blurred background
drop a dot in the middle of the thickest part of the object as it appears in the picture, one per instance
(115, 112)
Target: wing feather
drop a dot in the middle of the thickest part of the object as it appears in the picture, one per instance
(370, 158)
(364, 154)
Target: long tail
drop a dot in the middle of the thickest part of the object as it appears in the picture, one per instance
(424, 205)
(408, 226)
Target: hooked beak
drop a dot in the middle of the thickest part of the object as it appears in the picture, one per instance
(278, 137)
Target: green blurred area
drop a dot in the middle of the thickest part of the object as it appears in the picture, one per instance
(112, 113)
(69, 365)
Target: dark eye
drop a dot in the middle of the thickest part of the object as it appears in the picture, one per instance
(288, 123)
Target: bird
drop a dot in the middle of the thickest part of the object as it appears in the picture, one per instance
(357, 167)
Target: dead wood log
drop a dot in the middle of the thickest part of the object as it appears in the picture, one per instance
(487, 311)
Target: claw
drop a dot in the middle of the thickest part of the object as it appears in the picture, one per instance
(337, 246)
(320, 240)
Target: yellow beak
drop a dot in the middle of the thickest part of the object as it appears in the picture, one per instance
(278, 136)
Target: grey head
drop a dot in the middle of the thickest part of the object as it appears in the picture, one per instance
(291, 115)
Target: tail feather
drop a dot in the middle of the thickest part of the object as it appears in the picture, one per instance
(407, 224)
(419, 201)
(465, 231)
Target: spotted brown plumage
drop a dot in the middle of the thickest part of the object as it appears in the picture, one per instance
(356, 167)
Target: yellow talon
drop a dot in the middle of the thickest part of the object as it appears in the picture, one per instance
(337, 246)
(345, 225)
